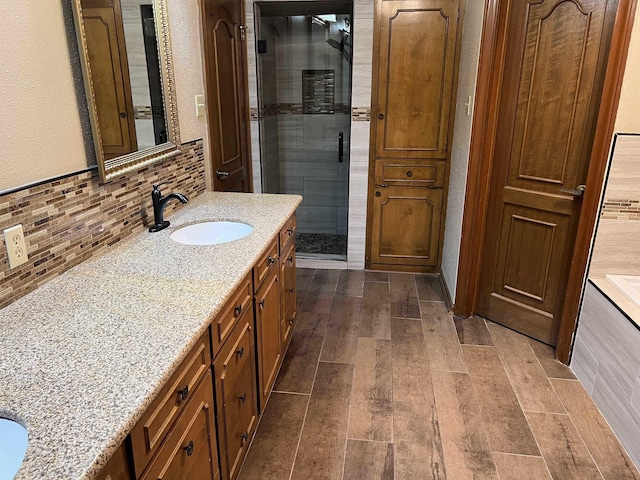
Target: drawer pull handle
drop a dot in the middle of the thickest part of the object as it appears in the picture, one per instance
(261, 303)
(240, 352)
(189, 449)
(291, 291)
(409, 174)
(245, 437)
(237, 311)
(290, 231)
(270, 260)
(291, 321)
(183, 393)
(290, 259)
(243, 398)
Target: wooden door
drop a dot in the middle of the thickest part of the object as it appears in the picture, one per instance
(406, 225)
(415, 77)
(110, 76)
(551, 86)
(227, 98)
(268, 333)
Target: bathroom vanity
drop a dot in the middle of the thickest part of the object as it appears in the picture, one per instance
(155, 359)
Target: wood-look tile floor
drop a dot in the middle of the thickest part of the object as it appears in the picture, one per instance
(381, 382)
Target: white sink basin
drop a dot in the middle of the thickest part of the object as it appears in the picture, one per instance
(211, 233)
(13, 446)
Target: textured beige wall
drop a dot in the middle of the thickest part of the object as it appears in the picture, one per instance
(42, 132)
(467, 77)
(628, 120)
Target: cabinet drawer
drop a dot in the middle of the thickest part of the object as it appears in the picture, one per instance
(263, 267)
(419, 173)
(288, 297)
(288, 233)
(189, 451)
(223, 324)
(235, 377)
(149, 432)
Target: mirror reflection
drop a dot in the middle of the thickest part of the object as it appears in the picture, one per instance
(122, 50)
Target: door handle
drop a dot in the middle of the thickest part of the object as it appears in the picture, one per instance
(221, 174)
(341, 147)
(578, 192)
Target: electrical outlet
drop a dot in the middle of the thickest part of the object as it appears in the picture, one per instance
(16, 248)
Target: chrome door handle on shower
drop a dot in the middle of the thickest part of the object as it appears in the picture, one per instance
(578, 192)
(341, 147)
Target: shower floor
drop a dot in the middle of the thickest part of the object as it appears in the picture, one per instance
(321, 244)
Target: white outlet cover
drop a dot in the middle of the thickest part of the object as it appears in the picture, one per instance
(16, 247)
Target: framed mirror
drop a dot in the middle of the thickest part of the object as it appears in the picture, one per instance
(125, 51)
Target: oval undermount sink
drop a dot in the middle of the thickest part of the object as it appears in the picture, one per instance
(211, 233)
(13, 446)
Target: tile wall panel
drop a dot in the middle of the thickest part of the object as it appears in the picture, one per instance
(69, 220)
(606, 360)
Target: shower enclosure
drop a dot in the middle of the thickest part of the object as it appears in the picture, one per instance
(303, 52)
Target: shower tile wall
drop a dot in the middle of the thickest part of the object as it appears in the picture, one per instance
(307, 143)
(132, 24)
(362, 33)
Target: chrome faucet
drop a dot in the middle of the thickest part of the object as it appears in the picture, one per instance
(159, 203)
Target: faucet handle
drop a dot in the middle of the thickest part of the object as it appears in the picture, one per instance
(156, 186)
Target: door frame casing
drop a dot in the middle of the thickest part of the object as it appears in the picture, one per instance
(484, 131)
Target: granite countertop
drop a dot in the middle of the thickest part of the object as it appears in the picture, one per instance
(83, 356)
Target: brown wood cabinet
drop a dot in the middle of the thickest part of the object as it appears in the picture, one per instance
(268, 333)
(118, 467)
(415, 47)
(200, 426)
(189, 450)
(236, 395)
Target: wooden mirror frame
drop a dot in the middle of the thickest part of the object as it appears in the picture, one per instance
(119, 166)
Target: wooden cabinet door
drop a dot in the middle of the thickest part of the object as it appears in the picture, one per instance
(267, 304)
(110, 76)
(189, 450)
(416, 45)
(288, 294)
(554, 62)
(118, 467)
(236, 395)
(406, 225)
(227, 98)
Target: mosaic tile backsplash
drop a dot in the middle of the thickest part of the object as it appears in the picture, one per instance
(69, 220)
(621, 209)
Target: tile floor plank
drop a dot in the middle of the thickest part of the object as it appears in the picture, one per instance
(341, 338)
(596, 433)
(304, 279)
(561, 446)
(368, 460)
(519, 467)
(504, 420)
(371, 416)
(467, 454)
(376, 277)
(325, 280)
(375, 314)
(527, 376)
(546, 356)
(350, 283)
(404, 296)
(273, 450)
(324, 434)
(299, 365)
(473, 331)
(429, 288)
(411, 377)
(443, 346)
(414, 461)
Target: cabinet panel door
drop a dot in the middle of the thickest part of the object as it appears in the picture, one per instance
(417, 43)
(406, 226)
(268, 334)
(189, 451)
